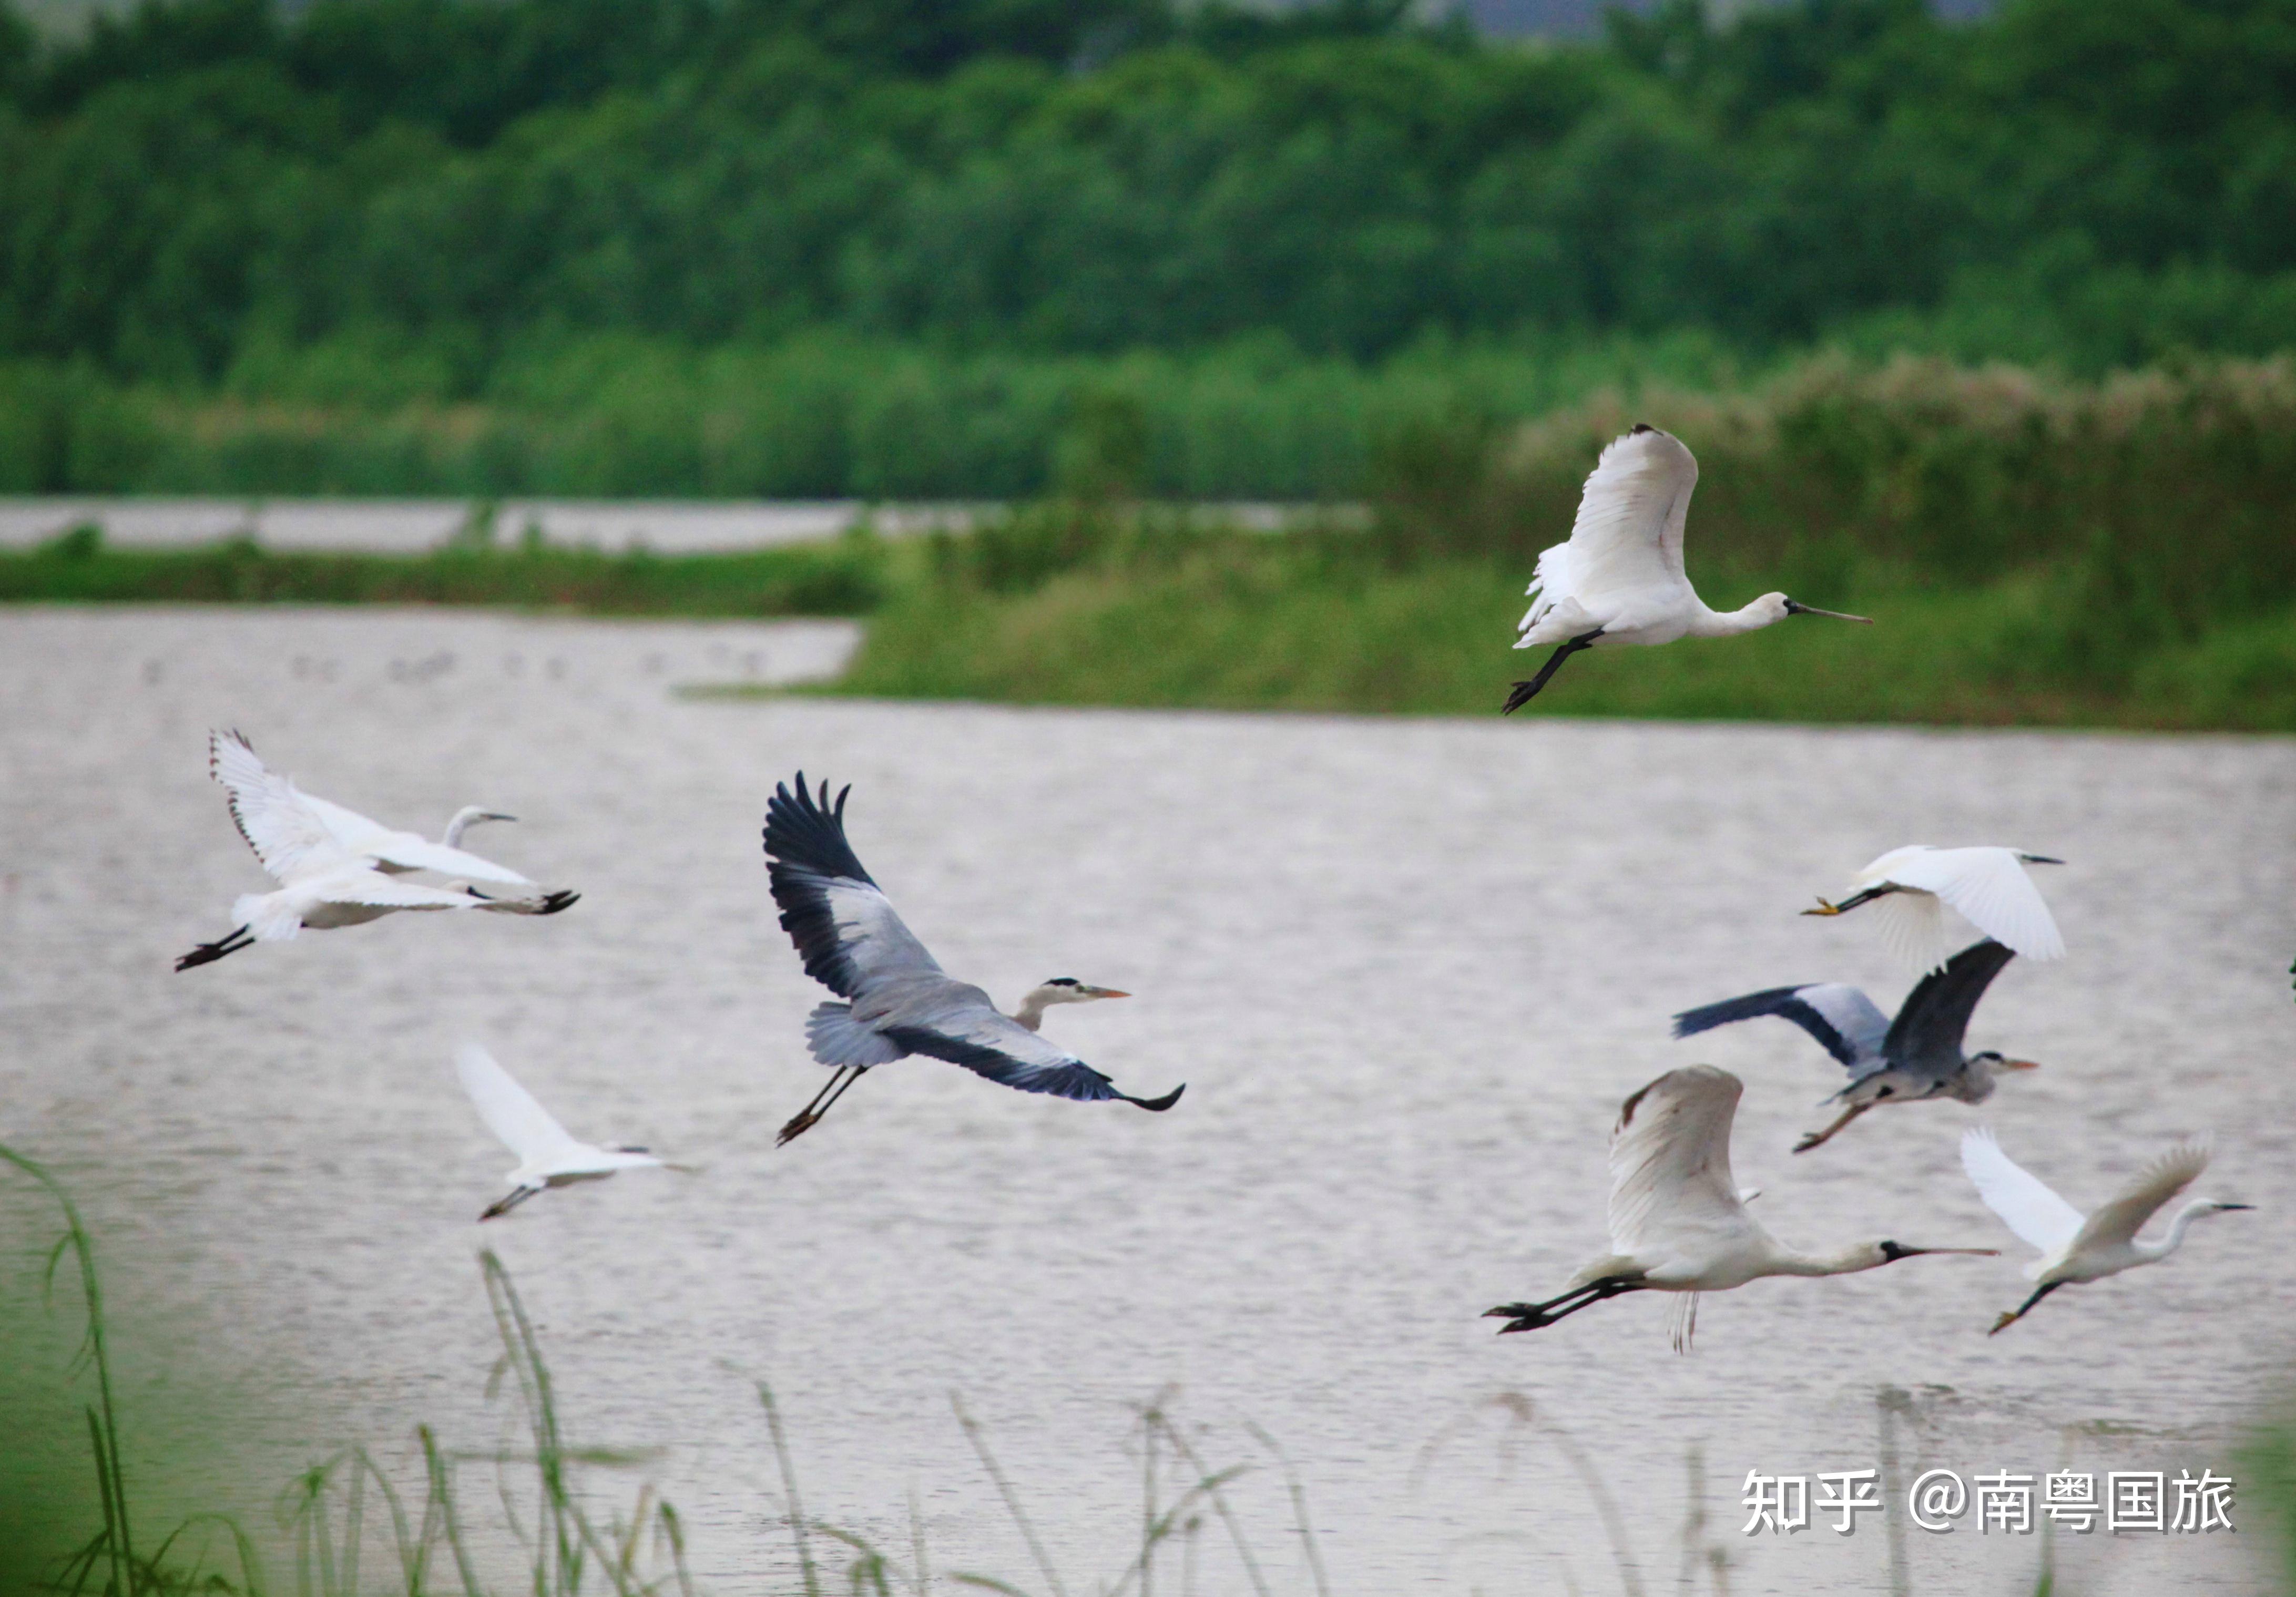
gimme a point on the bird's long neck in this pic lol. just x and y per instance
(1031, 1012)
(2178, 1227)
(1848, 1262)
(1729, 623)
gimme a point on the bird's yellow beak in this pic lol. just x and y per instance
(1824, 908)
(2020, 1064)
(1109, 992)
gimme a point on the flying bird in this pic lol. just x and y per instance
(548, 1155)
(1620, 579)
(1677, 1221)
(2074, 1248)
(1916, 1057)
(1059, 989)
(334, 866)
(1991, 888)
(898, 1001)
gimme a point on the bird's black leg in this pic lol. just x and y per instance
(503, 1206)
(207, 954)
(830, 1091)
(1525, 692)
(2024, 1308)
(1531, 1316)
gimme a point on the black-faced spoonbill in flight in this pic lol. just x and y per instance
(1620, 579)
(1678, 1221)
(899, 1001)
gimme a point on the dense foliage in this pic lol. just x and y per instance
(375, 201)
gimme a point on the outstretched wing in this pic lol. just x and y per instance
(287, 835)
(844, 929)
(374, 840)
(523, 1126)
(2026, 1205)
(365, 885)
(1991, 888)
(2124, 1215)
(1935, 1016)
(975, 1036)
(1628, 533)
(1670, 1161)
(1628, 530)
(1842, 1020)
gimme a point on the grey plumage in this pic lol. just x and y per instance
(1917, 1055)
(897, 999)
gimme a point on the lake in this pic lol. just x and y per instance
(1407, 968)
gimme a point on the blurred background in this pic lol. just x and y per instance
(1976, 316)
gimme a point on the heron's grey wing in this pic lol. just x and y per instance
(2119, 1219)
(287, 835)
(1842, 1020)
(835, 1037)
(971, 1032)
(1670, 1161)
(843, 926)
(1926, 1036)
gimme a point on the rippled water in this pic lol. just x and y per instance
(1408, 969)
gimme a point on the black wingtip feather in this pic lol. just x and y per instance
(1157, 1105)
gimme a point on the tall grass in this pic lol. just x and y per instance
(2121, 553)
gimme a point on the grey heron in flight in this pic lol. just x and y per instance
(1915, 1057)
(1677, 1221)
(335, 867)
(1913, 885)
(897, 999)
(1619, 579)
(2074, 1248)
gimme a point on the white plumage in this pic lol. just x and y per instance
(1677, 1220)
(2073, 1248)
(548, 1154)
(1912, 887)
(1619, 579)
(334, 866)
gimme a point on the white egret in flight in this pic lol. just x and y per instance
(334, 866)
(1677, 1221)
(2074, 1248)
(1916, 1057)
(899, 1001)
(548, 1155)
(1911, 888)
(1621, 578)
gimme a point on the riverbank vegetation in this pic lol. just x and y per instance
(777, 247)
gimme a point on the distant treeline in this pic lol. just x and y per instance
(374, 203)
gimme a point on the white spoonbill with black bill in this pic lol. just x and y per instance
(548, 1154)
(335, 867)
(1911, 888)
(2075, 1247)
(898, 1000)
(1677, 1221)
(1917, 1057)
(1620, 579)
